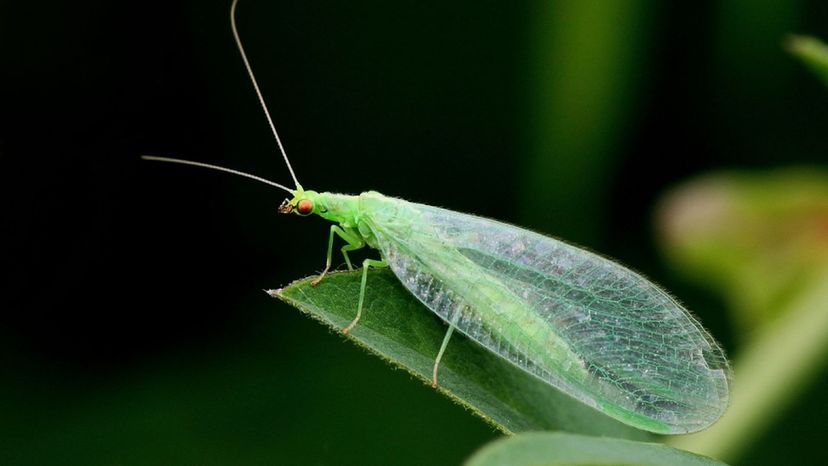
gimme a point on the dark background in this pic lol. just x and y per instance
(134, 329)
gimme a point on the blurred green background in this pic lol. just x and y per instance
(134, 327)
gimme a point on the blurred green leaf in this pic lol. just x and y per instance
(760, 239)
(813, 52)
(396, 327)
(559, 449)
(757, 238)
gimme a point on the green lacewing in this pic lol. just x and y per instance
(584, 324)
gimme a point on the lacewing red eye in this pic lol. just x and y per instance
(304, 207)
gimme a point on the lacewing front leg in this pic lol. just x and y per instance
(365, 264)
(354, 242)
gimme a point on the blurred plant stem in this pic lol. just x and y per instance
(777, 363)
(761, 240)
(813, 52)
(584, 59)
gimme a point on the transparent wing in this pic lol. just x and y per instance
(586, 325)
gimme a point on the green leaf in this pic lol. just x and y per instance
(813, 52)
(398, 328)
(559, 449)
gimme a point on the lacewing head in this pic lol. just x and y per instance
(303, 203)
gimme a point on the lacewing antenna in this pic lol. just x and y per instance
(258, 92)
(216, 167)
(266, 112)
